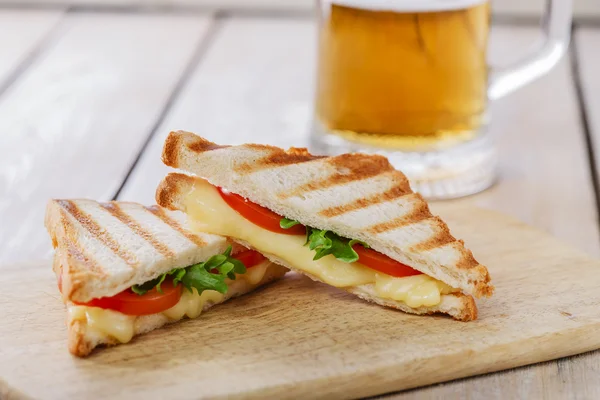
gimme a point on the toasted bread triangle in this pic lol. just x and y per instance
(356, 195)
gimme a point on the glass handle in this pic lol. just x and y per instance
(556, 26)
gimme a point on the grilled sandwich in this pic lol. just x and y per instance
(350, 221)
(124, 269)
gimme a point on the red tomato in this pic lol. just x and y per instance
(250, 258)
(130, 303)
(259, 215)
(154, 302)
(382, 263)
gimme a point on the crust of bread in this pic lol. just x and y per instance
(356, 195)
(82, 341)
(102, 249)
(459, 306)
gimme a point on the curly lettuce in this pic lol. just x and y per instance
(325, 242)
(208, 275)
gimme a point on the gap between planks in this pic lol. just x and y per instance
(201, 49)
(574, 54)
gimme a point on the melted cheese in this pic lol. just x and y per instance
(102, 322)
(192, 304)
(255, 274)
(415, 291)
(211, 214)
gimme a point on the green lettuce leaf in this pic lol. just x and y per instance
(325, 242)
(208, 275)
(286, 223)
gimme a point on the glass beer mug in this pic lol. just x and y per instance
(409, 79)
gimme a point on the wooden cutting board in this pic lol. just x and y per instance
(297, 338)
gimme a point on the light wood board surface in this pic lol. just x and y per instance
(298, 338)
(73, 123)
(27, 32)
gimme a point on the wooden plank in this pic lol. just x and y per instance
(74, 122)
(254, 84)
(234, 96)
(27, 29)
(584, 9)
(301, 339)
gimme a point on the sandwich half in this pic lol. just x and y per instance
(350, 221)
(124, 269)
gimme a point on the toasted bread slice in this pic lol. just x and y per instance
(356, 195)
(105, 248)
(102, 249)
(172, 194)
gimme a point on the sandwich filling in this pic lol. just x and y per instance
(321, 254)
(182, 292)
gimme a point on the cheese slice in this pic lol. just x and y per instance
(102, 322)
(210, 213)
(415, 291)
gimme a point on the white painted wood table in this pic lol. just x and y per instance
(87, 97)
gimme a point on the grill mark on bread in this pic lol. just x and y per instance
(118, 213)
(419, 213)
(441, 238)
(400, 189)
(97, 231)
(201, 145)
(79, 254)
(467, 261)
(349, 168)
(160, 213)
(276, 158)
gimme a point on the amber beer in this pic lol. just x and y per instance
(401, 77)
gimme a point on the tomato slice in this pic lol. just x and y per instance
(259, 215)
(127, 302)
(130, 303)
(382, 263)
(250, 258)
